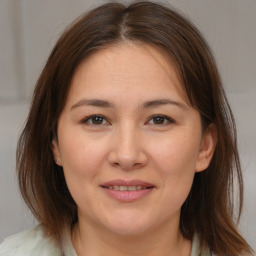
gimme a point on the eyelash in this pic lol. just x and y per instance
(169, 120)
(88, 118)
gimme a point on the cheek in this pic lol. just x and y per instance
(176, 160)
(80, 149)
(177, 154)
(82, 163)
(81, 160)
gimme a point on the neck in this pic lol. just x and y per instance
(89, 240)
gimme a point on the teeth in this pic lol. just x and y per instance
(123, 188)
(126, 188)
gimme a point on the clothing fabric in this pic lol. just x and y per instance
(33, 242)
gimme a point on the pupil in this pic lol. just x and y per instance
(158, 120)
(97, 120)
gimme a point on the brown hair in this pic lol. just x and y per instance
(208, 210)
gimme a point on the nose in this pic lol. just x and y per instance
(127, 151)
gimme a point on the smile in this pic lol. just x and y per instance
(127, 191)
(127, 188)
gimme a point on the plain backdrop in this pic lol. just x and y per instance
(28, 31)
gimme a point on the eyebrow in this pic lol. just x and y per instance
(159, 102)
(92, 102)
(147, 104)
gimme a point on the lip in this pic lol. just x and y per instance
(127, 196)
(120, 182)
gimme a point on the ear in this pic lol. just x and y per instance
(207, 147)
(56, 152)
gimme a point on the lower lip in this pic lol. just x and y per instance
(127, 196)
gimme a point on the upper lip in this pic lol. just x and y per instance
(120, 182)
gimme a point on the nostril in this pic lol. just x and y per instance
(127, 160)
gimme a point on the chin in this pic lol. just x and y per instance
(129, 230)
(129, 225)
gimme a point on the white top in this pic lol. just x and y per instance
(33, 242)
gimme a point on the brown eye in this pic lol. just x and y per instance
(95, 120)
(160, 120)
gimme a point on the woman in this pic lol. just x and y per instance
(130, 144)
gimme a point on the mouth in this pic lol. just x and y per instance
(127, 191)
(127, 188)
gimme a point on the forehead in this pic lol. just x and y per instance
(129, 66)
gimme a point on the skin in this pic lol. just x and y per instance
(130, 143)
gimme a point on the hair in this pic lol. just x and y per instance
(209, 208)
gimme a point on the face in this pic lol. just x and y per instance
(129, 142)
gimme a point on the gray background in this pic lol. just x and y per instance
(28, 31)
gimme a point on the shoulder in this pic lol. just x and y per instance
(198, 249)
(29, 242)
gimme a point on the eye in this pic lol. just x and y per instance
(160, 120)
(95, 120)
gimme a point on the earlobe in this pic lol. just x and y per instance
(56, 152)
(208, 145)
